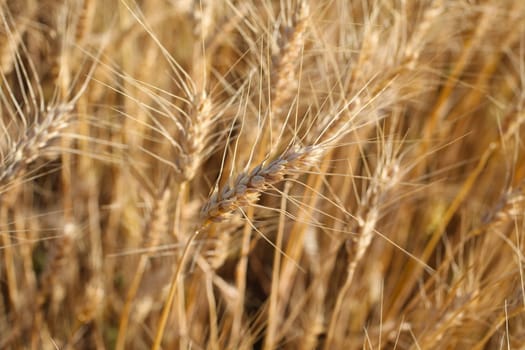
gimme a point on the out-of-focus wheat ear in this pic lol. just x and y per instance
(199, 121)
(420, 36)
(85, 20)
(35, 143)
(247, 187)
(155, 229)
(386, 176)
(284, 77)
(15, 23)
(203, 19)
(93, 301)
(195, 141)
(219, 245)
(25, 222)
(195, 138)
(509, 209)
(59, 255)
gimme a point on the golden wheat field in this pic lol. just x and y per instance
(273, 174)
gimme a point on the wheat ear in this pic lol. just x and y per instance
(386, 177)
(85, 19)
(284, 76)
(35, 142)
(247, 187)
(195, 137)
